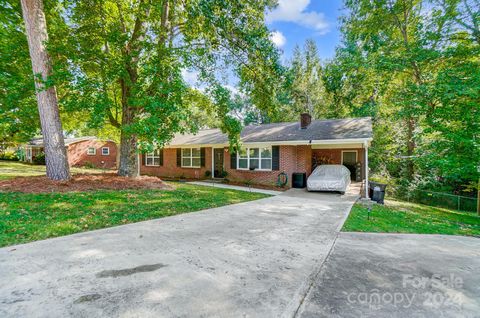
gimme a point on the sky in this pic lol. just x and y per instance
(295, 21)
(291, 23)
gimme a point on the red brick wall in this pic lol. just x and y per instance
(170, 169)
(77, 154)
(304, 159)
(292, 159)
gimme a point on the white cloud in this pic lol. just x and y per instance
(278, 38)
(296, 11)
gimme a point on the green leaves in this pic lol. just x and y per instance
(129, 58)
(416, 73)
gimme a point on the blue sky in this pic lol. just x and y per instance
(294, 21)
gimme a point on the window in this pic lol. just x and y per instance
(153, 158)
(349, 157)
(91, 151)
(255, 159)
(191, 157)
(105, 151)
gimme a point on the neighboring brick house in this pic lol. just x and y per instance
(268, 150)
(82, 151)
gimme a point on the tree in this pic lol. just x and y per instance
(308, 89)
(124, 62)
(18, 111)
(418, 68)
(37, 36)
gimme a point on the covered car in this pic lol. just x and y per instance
(329, 178)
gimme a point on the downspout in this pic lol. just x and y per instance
(213, 162)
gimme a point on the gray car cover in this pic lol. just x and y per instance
(329, 178)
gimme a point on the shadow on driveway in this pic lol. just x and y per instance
(398, 275)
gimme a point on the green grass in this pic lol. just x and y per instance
(11, 169)
(404, 217)
(26, 217)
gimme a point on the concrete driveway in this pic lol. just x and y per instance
(398, 275)
(255, 259)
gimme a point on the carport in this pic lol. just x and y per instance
(352, 153)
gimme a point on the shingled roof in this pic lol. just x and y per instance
(318, 130)
(38, 142)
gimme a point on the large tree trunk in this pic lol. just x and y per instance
(128, 156)
(54, 145)
(128, 142)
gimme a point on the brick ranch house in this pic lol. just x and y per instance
(269, 149)
(82, 151)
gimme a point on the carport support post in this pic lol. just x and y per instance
(366, 169)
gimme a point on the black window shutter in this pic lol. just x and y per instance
(202, 157)
(233, 160)
(275, 157)
(161, 157)
(144, 158)
(179, 157)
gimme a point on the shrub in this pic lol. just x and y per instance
(208, 173)
(223, 174)
(89, 165)
(9, 155)
(39, 159)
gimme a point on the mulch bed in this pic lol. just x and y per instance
(81, 182)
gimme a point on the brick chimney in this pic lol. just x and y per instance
(305, 120)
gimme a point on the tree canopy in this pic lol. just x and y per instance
(414, 67)
(119, 66)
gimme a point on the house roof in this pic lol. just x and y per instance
(318, 130)
(38, 142)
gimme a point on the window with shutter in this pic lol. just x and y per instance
(255, 159)
(191, 157)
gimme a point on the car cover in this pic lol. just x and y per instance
(329, 178)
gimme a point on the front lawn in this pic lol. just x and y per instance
(12, 169)
(26, 217)
(404, 217)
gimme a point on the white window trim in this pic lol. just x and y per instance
(151, 155)
(356, 155)
(259, 159)
(192, 157)
(108, 151)
(94, 151)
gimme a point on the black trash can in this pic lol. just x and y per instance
(376, 191)
(299, 180)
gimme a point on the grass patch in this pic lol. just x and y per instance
(404, 217)
(12, 169)
(26, 217)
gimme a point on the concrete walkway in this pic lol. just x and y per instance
(254, 259)
(234, 187)
(398, 275)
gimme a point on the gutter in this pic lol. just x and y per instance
(280, 143)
